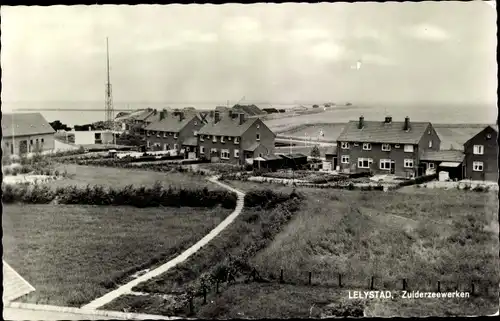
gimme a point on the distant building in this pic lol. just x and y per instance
(386, 146)
(481, 155)
(233, 138)
(99, 137)
(24, 133)
(249, 110)
(175, 131)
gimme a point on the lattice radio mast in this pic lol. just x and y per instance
(109, 95)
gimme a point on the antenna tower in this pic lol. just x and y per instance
(109, 95)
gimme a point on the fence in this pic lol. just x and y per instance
(475, 288)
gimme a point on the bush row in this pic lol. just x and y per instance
(268, 198)
(129, 195)
(418, 180)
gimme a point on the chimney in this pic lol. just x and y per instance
(361, 123)
(216, 117)
(90, 128)
(163, 114)
(181, 116)
(407, 123)
(388, 119)
(242, 118)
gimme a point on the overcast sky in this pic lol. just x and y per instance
(433, 52)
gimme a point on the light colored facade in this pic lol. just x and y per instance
(104, 137)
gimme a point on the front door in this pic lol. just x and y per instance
(393, 167)
(23, 147)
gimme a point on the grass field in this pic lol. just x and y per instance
(73, 254)
(449, 236)
(81, 175)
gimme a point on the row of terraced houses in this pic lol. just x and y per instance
(227, 137)
(411, 149)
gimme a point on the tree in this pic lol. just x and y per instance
(315, 106)
(57, 125)
(315, 151)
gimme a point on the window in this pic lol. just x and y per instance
(175, 135)
(176, 146)
(165, 134)
(477, 166)
(344, 145)
(430, 165)
(364, 162)
(386, 147)
(148, 143)
(31, 141)
(148, 132)
(236, 140)
(195, 123)
(214, 139)
(408, 148)
(236, 153)
(408, 163)
(229, 138)
(213, 151)
(202, 149)
(430, 144)
(344, 159)
(202, 138)
(222, 139)
(396, 146)
(367, 146)
(258, 136)
(260, 154)
(158, 134)
(385, 164)
(258, 126)
(478, 149)
(42, 141)
(224, 154)
(188, 149)
(356, 144)
(429, 131)
(195, 133)
(165, 146)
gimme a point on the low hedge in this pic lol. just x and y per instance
(129, 195)
(268, 198)
(419, 180)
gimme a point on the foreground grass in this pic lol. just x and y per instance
(73, 254)
(449, 236)
(81, 175)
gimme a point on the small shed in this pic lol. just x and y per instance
(272, 162)
(295, 161)
(331, 156)
(450, 161)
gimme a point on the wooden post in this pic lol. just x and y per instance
(281, 276)
(404, 284)
(439, 286)
(472, 288)
(340, 280)
(204, 294)
(310, 277)
(371, 285)
(191, 305)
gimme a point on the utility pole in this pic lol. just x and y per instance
(109, 121)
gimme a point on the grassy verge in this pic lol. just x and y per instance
(73, 254)
(118, 177)
(227, 253)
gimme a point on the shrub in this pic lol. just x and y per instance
(138, 197)
(266, 198)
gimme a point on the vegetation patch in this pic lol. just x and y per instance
(74, 254)
(154, 196)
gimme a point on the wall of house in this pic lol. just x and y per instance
(398, 155)
(88, 137)
(12, 145)
(230, 145)
(489, 158)
(429, 135)
(267, 138)
(167, 138)
(249, 138)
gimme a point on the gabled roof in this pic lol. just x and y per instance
(227, 127)
(443, 156)
(487, 128)
(293, 156)
(22, 124)
(250, 110)
(171, 123)
(252, 147)
(144, 115)
(381, 132)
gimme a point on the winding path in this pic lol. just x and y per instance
(127, 288)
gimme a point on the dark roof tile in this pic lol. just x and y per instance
(380, 132)
(443, 156)
(21, 124)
